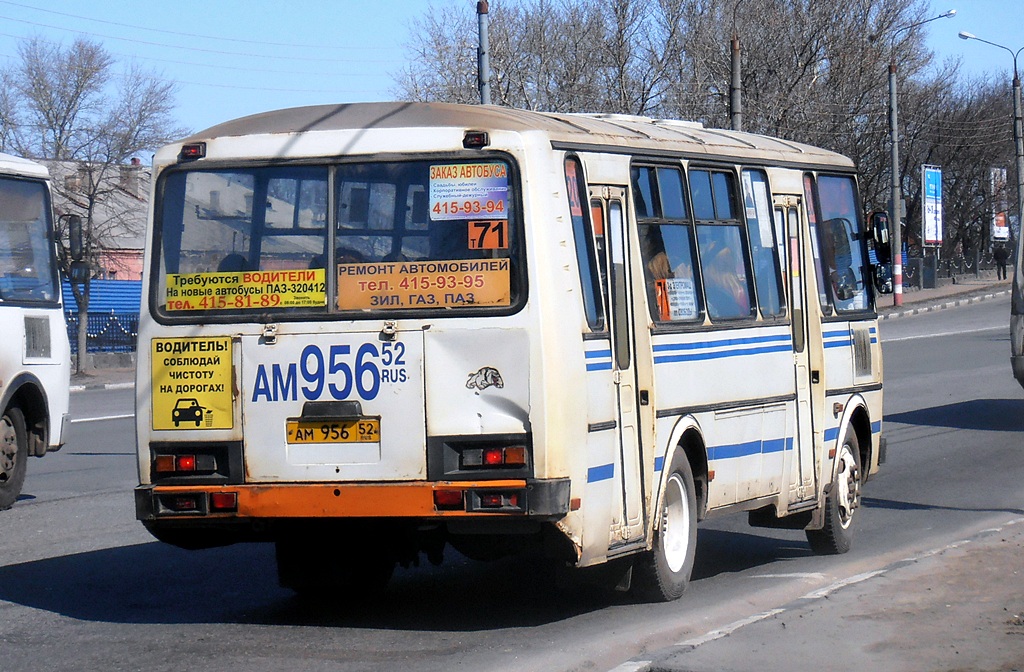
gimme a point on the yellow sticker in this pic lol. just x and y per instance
(424, 284)
(192, 383)
(247, 290)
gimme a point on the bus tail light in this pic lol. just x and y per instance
(447, 500)
(497, 456)
(190, 503)
(496, 501)
(193, 151)
(223, 502)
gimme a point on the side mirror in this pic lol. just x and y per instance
(75, 242)
(879, 221)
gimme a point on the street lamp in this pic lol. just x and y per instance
(896, 196)
(1017, 306)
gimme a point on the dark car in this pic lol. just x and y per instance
(187, 409)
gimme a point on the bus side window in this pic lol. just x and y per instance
(584, 239)
(666, 243)
(764, 247)
(722, 244)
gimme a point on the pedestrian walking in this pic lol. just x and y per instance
(1001, 254)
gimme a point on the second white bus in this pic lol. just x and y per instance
(35, 358)
(372, 331)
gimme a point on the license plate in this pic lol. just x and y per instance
(363, 430)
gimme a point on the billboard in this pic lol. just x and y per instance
(931, 181)
(1000, 221)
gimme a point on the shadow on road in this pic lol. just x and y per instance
(1000, 415)
(894, 505)
(157, 584)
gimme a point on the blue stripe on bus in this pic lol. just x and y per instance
(876, 427)
(838, 344)
(832, 434)
(749, 448)
(697, 356)
(665, 347)
(605, 472)
(604, 355)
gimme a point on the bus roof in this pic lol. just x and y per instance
(15, 165)
(596, 132)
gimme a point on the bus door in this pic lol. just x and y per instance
(801, 472)
(619, 299)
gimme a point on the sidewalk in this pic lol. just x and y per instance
(960, 607)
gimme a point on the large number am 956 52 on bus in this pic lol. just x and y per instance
(35, 358)
(372, 331)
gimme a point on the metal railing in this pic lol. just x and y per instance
(106, 332)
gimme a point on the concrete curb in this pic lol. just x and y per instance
(102, 386)
(906, 312)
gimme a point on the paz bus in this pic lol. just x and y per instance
(375, 331)
(35, 357)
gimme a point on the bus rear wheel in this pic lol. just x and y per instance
(841, 503)
(663, 573)
(13, 455)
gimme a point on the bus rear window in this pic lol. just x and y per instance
(393, 236)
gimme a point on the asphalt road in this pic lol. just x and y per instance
(83, 587)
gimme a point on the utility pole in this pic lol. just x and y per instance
(896, 194)
(483, 55)
(735, 90)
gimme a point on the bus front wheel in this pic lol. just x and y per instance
(664, 572)
(13, 455)
(841, 502)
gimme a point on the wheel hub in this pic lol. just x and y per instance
(8, 449)
(848, 482)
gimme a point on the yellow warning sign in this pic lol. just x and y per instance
(192, 383)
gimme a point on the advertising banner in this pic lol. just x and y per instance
(931, 180)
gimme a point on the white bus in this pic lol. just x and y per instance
(372, 331)
(35, 358)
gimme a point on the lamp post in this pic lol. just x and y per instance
(896, 195)
(1017, 305)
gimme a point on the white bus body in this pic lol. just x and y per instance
(578, 333)
(35, 358)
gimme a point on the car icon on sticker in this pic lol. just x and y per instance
(187, 409)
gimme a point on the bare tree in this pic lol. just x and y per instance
(66, 104)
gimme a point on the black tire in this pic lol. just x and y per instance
(841, 503)
(663, 573)
(13, 455)
(322, 570)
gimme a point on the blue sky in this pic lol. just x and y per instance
(239, 57)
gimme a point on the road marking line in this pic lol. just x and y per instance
(105, 417)
(943, 333)
(815, 576)
(633, 666)
(728, 629)
(828, 590)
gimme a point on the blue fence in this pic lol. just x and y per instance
(113, 324)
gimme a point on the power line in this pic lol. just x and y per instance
(181, 34)
(195, 49)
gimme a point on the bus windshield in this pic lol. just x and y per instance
(352, 238)
(26, 248)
